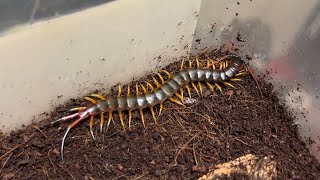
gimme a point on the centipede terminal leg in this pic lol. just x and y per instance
(91, 130)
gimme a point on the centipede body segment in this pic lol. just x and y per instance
(230, 67)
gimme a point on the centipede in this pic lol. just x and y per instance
(148, 95)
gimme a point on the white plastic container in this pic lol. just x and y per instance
(48, 62)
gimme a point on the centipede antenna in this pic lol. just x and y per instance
(91, 131)
(180, 97)
(156, 82)
(77, 109)
(181, 64)
(101, 122)
(153, 115)
(142, 118)
(228, 84)
(161, 107)
(189, 91)
(176, 101)
(217, 85)
(119, 91)
(200, 88)
(90, 99)
(65, 118)
(161, 78)
(167, 73)
(98, 96)
(130, 119)
(210, 87)
(63, 139)
(195, 88)
(121, 119)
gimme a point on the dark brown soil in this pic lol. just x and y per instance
(212, 130)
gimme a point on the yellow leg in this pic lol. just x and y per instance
(128, 90)
(167, 73)
(235, 79)
(228, 84)
(98, 96)
(181, 92)
(91, 131)
(221, 65)
(121, 119)
(119, 91)
(190, 64)
(137, 89)
(130, 118)
(161, 78)
(101, 121)
(78, 109)
(189, 91)
(210, 87)
(153, 115)
(208, 64)
(195, 88)
(149, 85)
(180, 97)
(176, 101)
(91, 100)
(143, 88)
(217, 85)
(109, 120)
(239, 74)
(142, 118)
(200, 88)
(161, 107)
(197, 62)
(156, 82)
(181, 65)
(213, 66)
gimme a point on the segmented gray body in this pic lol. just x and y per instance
(170, 87)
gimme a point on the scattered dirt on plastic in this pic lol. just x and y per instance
(210, 130)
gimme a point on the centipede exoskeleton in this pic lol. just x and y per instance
(222, 71)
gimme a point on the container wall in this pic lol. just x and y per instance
(46, 63)
(283, 38)
(16, 13)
